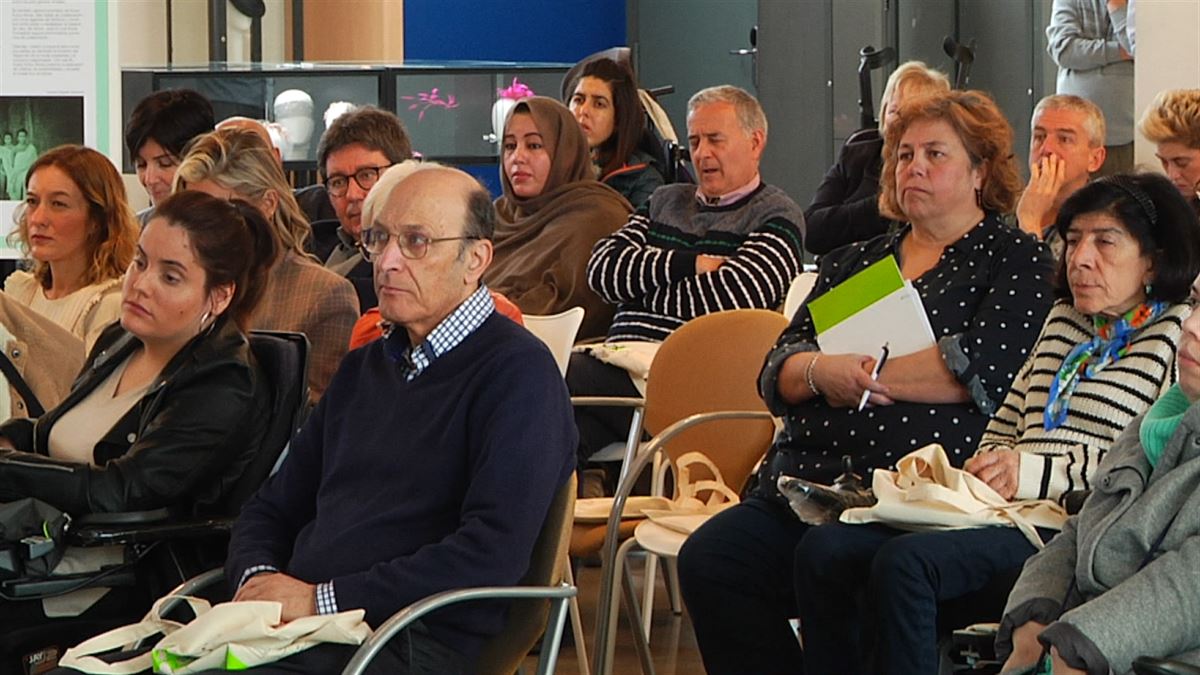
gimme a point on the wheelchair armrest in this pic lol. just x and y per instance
(145, 532)
(1146, 665)
(975, 644)
(124, 517)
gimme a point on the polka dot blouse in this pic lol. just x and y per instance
(986, 297)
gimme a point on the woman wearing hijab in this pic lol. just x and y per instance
(553, 211)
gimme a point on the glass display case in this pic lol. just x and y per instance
(445, 105)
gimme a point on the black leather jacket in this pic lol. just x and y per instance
(182, 446)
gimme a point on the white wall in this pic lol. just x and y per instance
(1168, 56)
(143, 29)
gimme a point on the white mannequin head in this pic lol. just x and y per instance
(336, 110)
(293, 111)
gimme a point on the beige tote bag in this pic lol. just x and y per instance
(687, 512)
(228, 636)
(927, 493)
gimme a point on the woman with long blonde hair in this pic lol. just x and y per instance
(301, 295)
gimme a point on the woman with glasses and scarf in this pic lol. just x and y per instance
(1119, 583)
(1106, 352)
(551, 215)
(301, 295)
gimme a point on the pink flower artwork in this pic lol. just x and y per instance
(516, 90)
(431, 99)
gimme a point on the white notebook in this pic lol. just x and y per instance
(873, 307)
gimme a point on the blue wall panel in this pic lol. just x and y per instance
(505, 30)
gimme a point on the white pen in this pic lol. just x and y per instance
(883, 354)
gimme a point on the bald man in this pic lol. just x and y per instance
(431, 461)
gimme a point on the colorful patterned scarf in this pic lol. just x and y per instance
(1110, 343)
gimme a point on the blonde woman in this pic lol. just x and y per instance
(77, 227)
(301, 295)
(1172, 123)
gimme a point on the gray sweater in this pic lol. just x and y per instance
(1116, 611)
(1083, 42)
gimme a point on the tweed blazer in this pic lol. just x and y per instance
(304, 297)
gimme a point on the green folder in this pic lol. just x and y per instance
(855, 294)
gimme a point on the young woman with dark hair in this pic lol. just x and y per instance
(604, 99)
(160, 127)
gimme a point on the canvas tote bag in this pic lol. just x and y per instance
(687, 512)
(227, 636)
(926, 493)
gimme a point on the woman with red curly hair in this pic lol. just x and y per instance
(78, 228)
(948, 174)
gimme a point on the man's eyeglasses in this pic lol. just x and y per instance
(413, 245)
(337, 184)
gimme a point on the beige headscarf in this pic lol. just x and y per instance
(542, 243)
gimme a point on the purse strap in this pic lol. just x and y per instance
(32, 405)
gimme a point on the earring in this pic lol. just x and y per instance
(979, 198)
(1149, 288)
(204, 318)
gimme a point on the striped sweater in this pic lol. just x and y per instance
(1066, 458)
(648, 267)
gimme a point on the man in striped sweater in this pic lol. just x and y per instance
(731, 242)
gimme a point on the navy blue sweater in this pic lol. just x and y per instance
(397, 490)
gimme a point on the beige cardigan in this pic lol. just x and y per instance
(46, 355)
(84, 313)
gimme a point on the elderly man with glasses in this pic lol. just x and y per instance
(431, 463)
(356, 148)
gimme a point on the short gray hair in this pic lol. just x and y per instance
(1093, 118)
(750, 114)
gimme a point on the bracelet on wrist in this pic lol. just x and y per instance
(808, 375)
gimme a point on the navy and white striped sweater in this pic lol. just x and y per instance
(648, 267)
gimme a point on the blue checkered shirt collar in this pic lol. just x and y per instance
(447, 335)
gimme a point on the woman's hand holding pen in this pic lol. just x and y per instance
(842, 379)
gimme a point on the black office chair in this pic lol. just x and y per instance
(162, 549)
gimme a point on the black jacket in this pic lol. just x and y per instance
(845, 208)
(183, 445)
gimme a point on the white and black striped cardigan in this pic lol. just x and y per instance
(1066, 458)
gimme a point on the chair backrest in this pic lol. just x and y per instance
(283, 358)
(527, 618)
(801, 286)
(558, 331)
(710, 364)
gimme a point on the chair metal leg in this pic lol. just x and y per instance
(648, 589)
(577, 624)
(639, 640)
(552, 640)
(607, 614)
(657, 488)
(671, 576)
